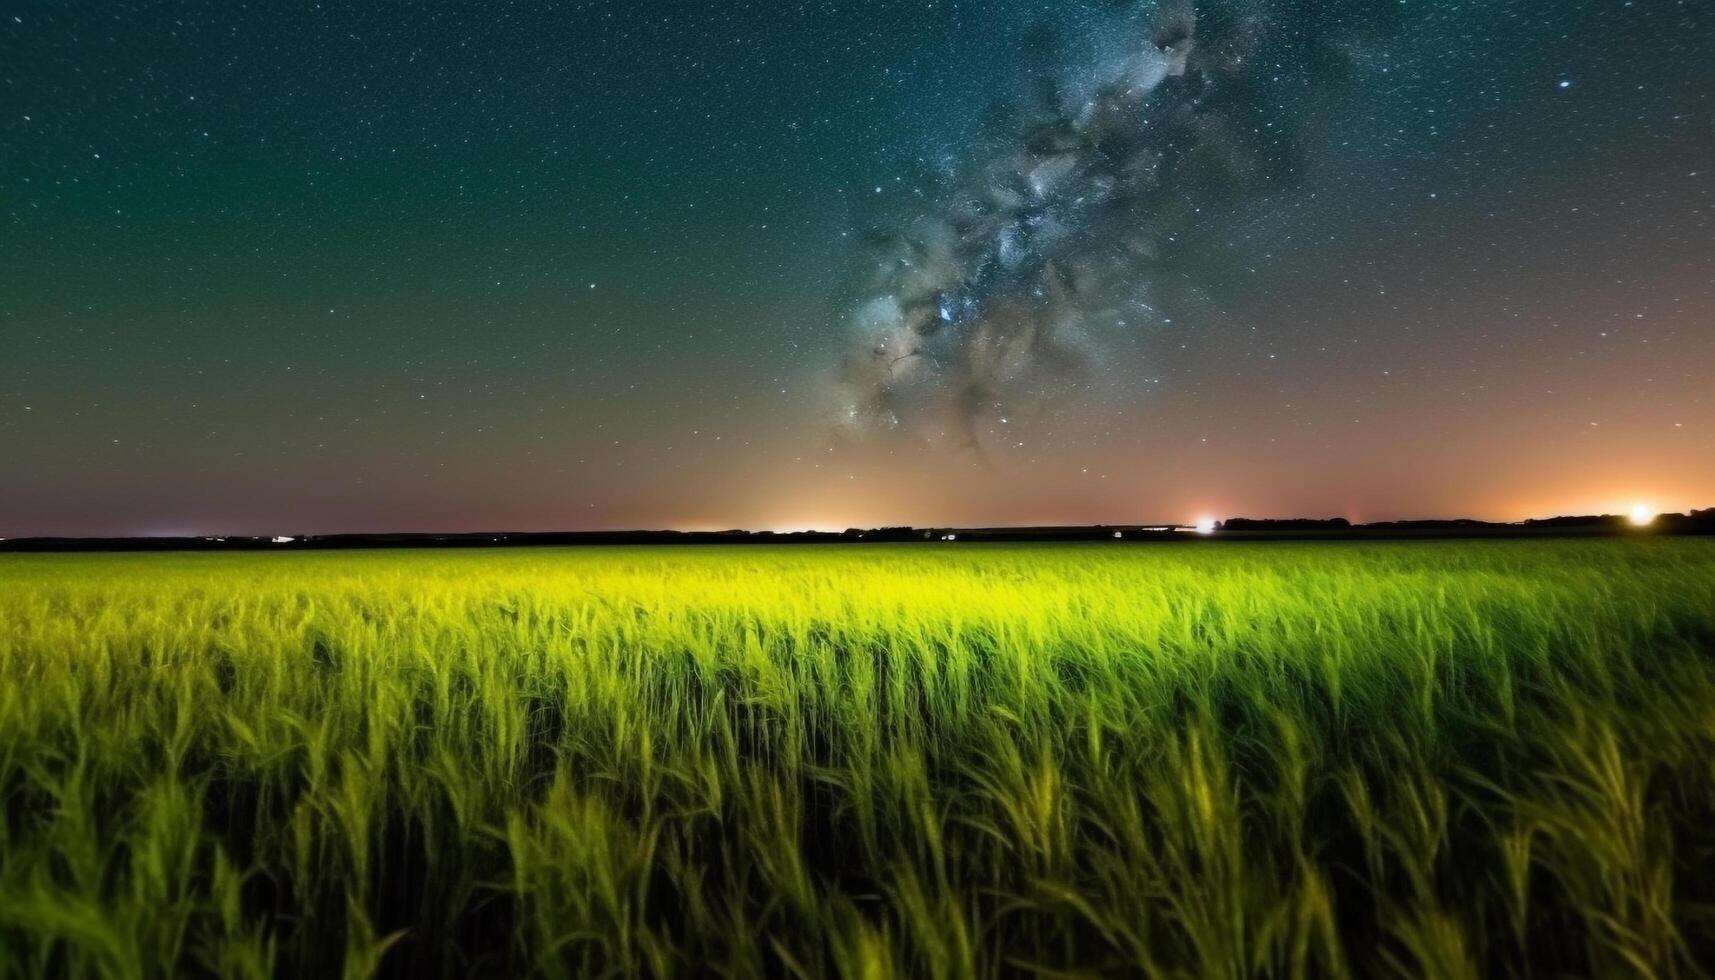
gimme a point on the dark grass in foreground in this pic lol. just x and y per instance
(1443, 759)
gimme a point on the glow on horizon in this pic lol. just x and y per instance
(1641, 515)
(1204, 525)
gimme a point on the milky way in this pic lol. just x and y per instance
(1062, 233)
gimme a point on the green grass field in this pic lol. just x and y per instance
(1426, 759)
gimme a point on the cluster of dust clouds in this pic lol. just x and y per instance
(1086, 215)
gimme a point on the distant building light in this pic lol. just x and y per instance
(1118, 534)
(283, 539)
(949, 537)
(1642, 515)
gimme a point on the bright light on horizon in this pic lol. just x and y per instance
(1205, 525)
(1642, 515)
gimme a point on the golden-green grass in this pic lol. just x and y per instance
(1285, 760)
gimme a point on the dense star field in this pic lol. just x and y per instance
(296, 268)
(1434, 759)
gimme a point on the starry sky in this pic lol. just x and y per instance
(308, 267)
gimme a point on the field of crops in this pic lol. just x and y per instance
(1427, 759)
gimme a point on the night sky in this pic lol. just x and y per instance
(297, 267)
